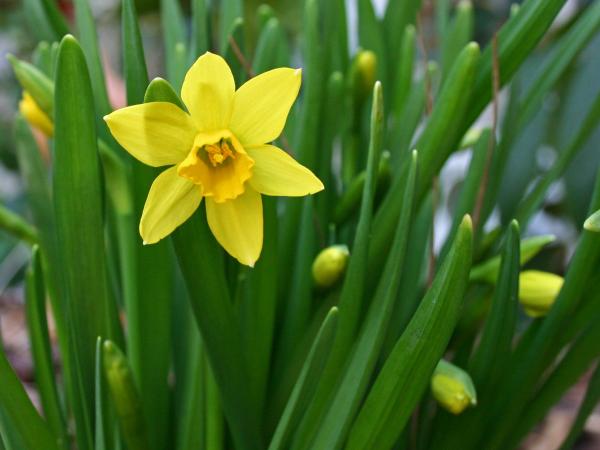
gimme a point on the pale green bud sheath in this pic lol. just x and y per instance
(330, 265)
(452, 388)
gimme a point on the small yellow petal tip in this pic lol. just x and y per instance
(298, 72)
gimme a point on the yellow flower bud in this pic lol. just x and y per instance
(366, 63)
(538, 291)
(34, 115)
(452, 387)
(330, 265)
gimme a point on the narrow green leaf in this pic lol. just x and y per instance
(404, 74)
(215, 426)
(355, 379)
(18, 414)
(353, 289)
(398, 15)
(235, 51)
(200, 41)
(125, 397)
(307, 381)
(561, 59)
(17, 226)
(230, 11)
(371, 37)
(101, 432)
(149, 308)
(174, 33)
(437, 141)
(571, 368)
(529, 247)
(271, 49)
(37, 325)
(86, 26)
(258, 306)
(535, 197)
(495, 345)
(45, 19)
(405, 375)
(457, 36)
(79, 217)
(201, 262)
(161, 90)
(516, 39)
(542, 348)
(591, 399)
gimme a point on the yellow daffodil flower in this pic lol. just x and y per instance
(538, 291)
(219, 152)
(34, 115)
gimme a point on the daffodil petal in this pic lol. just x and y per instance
(157, 133)
(277, 173)
(207, 92)
(261, 106)
(238, 225)
(171, 201)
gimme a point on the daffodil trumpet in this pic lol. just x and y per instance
(218, 151)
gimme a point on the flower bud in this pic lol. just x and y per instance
(452, 387)
(330, 265)
(363, 74)
(39, 86)
(538, 291)
(34, 115)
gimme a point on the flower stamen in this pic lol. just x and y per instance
(219, 152)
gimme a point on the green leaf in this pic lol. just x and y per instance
(435, 144)
(17, 226)
(495, 345)
(45, 19)
(230, 12)
(405, 375)
(201, 262)
(125, 397)
(535, 197)
(488, 271)
(404, 75)
(591, 399)
(307, 381)
(353, 289)
(174, 34)
(79, 218)
(200, 41)
(149, 307)
(457, 36)
(86, 26)
(37, 325)
(271, 49)
(357, 375)
(18, 416)
(371, 37)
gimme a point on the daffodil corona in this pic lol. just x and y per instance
(218, 151)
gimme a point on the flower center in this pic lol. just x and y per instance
(219, 152)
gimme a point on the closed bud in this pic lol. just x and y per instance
(35, 83)
(363, 74)
(330, 265)
(452, 387)
(538, 291)
(37, 118)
